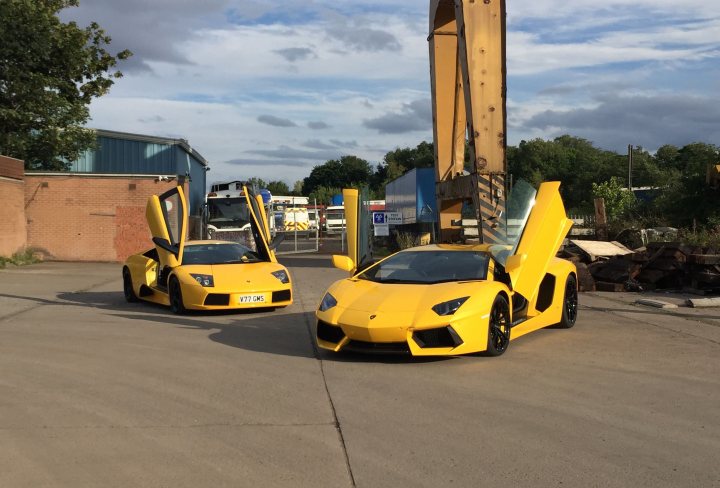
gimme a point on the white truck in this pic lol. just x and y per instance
(226, 216)
(335, 219)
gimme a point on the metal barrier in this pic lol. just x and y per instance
(299, 241)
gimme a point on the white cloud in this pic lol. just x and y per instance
(213, 69)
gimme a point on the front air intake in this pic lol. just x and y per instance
(217, 299)
(281, 296)
(329, 333)
(440, 337)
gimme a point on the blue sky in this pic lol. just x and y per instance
(270, 89)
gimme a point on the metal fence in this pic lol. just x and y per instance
(299, 241)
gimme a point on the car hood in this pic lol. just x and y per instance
(226, 276)
(369, 296)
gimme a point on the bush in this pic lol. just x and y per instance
(20, 258)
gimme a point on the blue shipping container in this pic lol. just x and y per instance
(413, 195)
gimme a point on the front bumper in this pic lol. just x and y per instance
(197, 298)
(438, 338)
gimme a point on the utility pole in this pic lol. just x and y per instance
(630, 165)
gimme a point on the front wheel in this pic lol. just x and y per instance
(176, 300)
(570, 303)
(128, 290)
(498, 327)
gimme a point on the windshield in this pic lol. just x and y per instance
(428, 267)
(219, 253)
(335, 215)
(228, 212)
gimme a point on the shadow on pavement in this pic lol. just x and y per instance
(283, 334)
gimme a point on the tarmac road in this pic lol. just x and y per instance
(98, 392)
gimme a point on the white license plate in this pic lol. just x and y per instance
(251, 298)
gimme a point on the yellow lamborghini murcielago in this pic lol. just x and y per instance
(206, 275)
(455, 299)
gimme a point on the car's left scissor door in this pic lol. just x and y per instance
(167, 217)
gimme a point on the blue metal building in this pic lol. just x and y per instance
(121, 153)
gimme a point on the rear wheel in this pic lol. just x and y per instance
(176, 300)
(128, 290)
(570, 303)
(499, 327)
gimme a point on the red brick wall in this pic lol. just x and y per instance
(88, 218)
(13, 233)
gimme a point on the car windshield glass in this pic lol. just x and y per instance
(428, 267)
(218, 253)
(229, 212)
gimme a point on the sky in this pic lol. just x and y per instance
(271, 89)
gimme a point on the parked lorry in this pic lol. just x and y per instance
(225, 213)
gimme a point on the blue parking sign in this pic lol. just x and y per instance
(378, 217)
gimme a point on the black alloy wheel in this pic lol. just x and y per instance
(130, 295)
(570, 303)
(499, 327)
(176, 300)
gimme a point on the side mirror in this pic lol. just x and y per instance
(514, 262)
(279, 237)
(165, 244)
(343, 262)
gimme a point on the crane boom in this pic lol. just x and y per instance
(467, 72)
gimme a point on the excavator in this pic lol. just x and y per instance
(468, 83)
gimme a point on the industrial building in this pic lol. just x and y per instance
(95, 211)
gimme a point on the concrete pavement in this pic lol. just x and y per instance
(97, 392)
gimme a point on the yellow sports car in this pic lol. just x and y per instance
(206, 275)
(455, 299)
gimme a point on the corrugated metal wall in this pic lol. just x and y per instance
(126, 156)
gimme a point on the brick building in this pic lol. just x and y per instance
(96, 211)
(13, 232)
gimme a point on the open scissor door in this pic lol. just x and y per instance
(167, 217)
(539, 241)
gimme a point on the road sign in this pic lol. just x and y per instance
(379, 218)
(393, 218)
(381, 230)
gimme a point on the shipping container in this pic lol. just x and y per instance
(413, 195)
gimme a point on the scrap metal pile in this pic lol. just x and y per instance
(609, 266)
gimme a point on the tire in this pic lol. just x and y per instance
(498, 327)
(570, 303)
(128, 290)
(175, 294)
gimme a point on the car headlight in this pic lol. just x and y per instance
(449, 307)
(282, 276)
(203, 279)
(328, 302)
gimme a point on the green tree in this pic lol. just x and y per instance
(297, 188)
(572, 160)
(687, 199)
(399, 161)
(256, 184)
(347, 172)
(323, 194)
(49, 73)
(278, 188)
(619, 201)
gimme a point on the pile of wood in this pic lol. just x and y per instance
(660, 265)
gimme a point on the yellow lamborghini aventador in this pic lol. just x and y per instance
(455, 299)
(206, 275)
